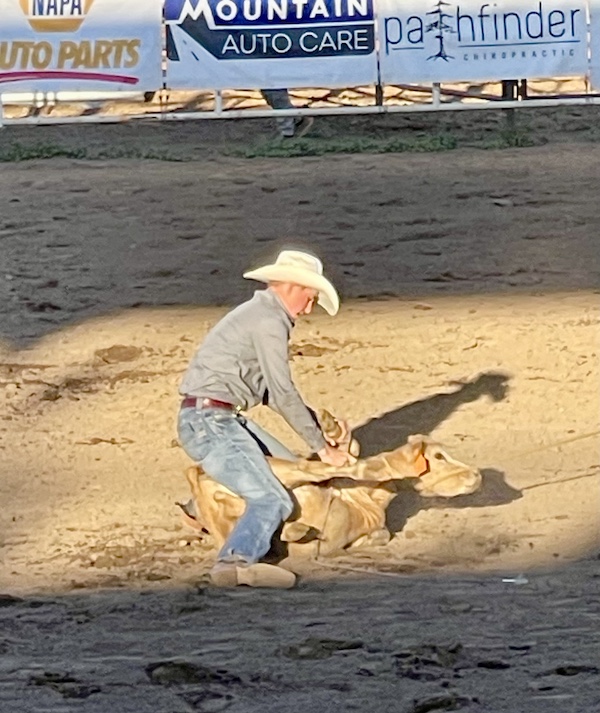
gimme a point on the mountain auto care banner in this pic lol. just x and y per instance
(270, 44)
(447, 41)
(54, 45)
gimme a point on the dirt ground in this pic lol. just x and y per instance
(469, 280)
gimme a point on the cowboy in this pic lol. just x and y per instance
(242, 362)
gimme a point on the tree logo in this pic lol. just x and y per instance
(440, 26)
(55, 15)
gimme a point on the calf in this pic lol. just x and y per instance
(336, 507)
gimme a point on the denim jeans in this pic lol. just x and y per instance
(223, 444)
(280, 99)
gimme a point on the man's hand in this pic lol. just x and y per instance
(334, 456)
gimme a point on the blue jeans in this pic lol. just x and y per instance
(280, 99)
(232, 450)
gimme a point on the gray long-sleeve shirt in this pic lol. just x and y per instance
(244, 360)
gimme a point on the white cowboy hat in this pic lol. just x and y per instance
(299, 268)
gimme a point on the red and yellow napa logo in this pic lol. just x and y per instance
(55, 15)
(98, 59)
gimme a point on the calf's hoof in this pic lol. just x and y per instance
(298, 532)
(189, 517)
(379, 538)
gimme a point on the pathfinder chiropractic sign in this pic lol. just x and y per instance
(270, 43)
(469, 40)
(54, 45)
(595, 45)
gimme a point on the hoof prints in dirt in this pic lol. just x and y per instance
(314, 648)
(63, 683)
(571, 670)
(7, 600)
(206, 689)
(174, 673)
(118, 353)
(429, 662)
(441, 703)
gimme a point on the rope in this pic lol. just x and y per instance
(394, 575)
(548, 446)
(318, 547)
(360, 570)
(560, 480)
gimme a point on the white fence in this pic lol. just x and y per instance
(396, 55)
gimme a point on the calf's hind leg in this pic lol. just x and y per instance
(337, 530)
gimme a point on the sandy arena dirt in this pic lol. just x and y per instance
(469, 282)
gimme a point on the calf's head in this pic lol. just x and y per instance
(437, 473)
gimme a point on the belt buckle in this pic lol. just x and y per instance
(207, 402)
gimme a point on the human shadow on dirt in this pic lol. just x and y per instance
(494, 490)
(391, 430)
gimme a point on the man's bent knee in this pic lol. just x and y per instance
(287, 507)
(276, 501)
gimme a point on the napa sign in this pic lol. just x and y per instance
(270, 43)
(445, 41)
(55, 15)
(53, 45)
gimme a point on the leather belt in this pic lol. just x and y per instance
(194, 402)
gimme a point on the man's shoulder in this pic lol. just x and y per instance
(265, 315)
(253, 312)
(266, 304)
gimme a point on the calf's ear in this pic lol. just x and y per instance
(417, 443)
(193, 474)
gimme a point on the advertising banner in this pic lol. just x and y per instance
(57, 45)
(471, 40)
(269, 44)
(595, 44)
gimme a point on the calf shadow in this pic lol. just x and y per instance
(391, 430)
(494, 490)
